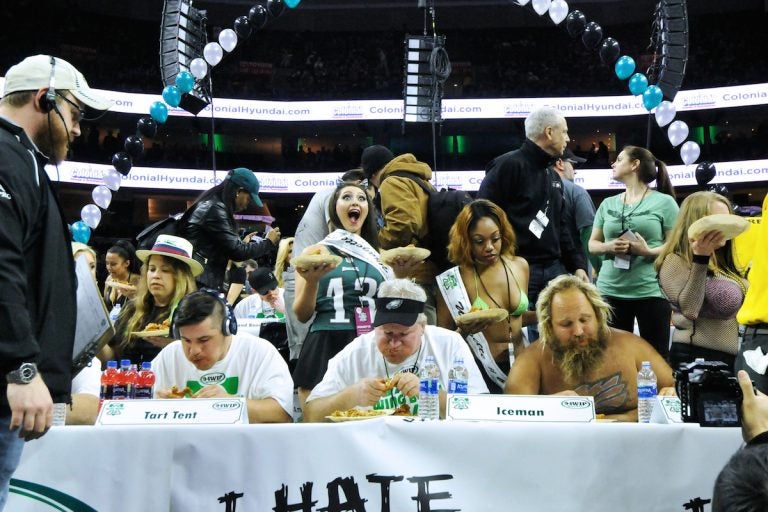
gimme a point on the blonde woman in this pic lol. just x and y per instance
(703, 285)
(283, 259)
(168, 274)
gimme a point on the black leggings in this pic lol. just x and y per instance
(653, 316)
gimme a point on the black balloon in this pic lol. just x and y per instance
(147, 127)
(721, 189)
(593, 34)
(134, 146)
(242, 27)
(257, 16)
(609, 51)
(122, 162)
(575, 23)
(705, 172)
(275, 8)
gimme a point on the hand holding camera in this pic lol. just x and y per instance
(754, 409)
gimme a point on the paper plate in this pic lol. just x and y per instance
(359, 414)
(162, 333)
(416, 253)
(729, 225)
(305, 261)
(495, 314)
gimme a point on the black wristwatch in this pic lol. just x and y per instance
(24, 375)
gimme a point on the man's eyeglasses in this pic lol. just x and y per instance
(81, 112)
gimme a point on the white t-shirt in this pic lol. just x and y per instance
(88, 381)
(362, 359)
(254, 307)
(252, 368)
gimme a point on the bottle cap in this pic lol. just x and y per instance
(111, 364)
(146, 365)
(646, 363)
(125, 362)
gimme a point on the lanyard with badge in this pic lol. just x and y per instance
(363, 320)
(540, 221)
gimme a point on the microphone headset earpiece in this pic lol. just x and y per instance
(48, 102)
(228, 321)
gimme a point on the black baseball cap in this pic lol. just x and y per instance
(262, 280)
(393, 310)
(570, 156)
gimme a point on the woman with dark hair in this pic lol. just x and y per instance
(341, 297)
(209, 224)
(630, 230)
(487, 275)
(123, 278)
(703, 284)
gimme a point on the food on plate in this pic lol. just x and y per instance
(176, 392)
(495, 314)
(403, 410)
(360, 413)
(411, 251)
(163, 326)
(727, 224)
(306, 261)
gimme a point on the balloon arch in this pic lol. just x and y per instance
(576, 24)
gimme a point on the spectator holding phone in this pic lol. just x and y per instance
(630, 230)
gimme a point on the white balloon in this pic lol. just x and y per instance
(228, 39)
(102, 196)
(112, 179)
(198, 68)
(690, 152)
(665, 113)
(677, 132)
(213, 53)
(541, 6)
(91, 215)
(558, 11)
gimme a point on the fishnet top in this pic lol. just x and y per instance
(704, 306)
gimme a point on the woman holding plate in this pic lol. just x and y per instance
(336, 281)
(168, 274)
(488, 277)
(702, 283)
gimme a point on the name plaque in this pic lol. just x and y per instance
(666, 409)
(549, 408)
(182, 411)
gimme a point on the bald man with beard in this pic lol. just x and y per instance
(578, 354)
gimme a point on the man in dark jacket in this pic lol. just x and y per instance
(40, 113)
(523, 185)
(210, 225)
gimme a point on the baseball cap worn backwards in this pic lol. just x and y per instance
(374, 158)
(34, 73)
(246, 179)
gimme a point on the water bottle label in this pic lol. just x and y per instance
(646, 392)
(457, 387)
(429, 386)
(143, 393)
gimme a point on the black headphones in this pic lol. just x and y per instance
(228, 321)
(48, 102)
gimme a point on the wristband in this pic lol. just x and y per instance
(701, 258)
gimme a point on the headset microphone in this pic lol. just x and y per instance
(48, 102)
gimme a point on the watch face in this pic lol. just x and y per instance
(27, 372)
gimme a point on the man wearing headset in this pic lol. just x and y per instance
(209, 359)
(40, 112)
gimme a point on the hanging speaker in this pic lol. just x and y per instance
(672, 16)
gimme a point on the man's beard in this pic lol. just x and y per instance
(53, 143)
(577, 362)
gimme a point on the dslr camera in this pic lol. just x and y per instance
(709, 394)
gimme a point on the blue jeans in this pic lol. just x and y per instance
(540, 274)
(10, 454)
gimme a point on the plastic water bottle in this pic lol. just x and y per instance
(115, 312)
(646, 392)
(131, 378)
(458, 377)
(145, 384)
(429, 399)
(108, 378)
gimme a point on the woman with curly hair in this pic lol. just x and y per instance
(488, 275)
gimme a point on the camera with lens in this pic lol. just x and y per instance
(709, 394)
